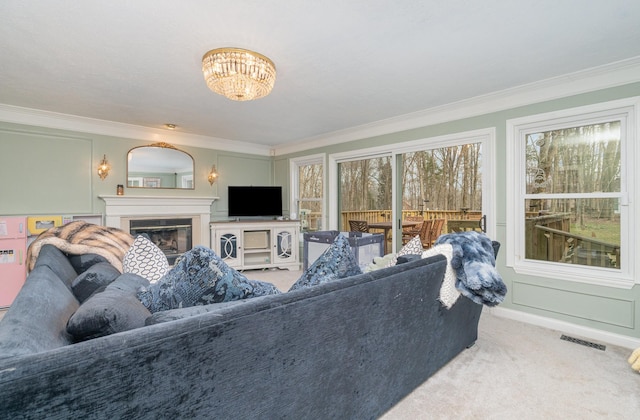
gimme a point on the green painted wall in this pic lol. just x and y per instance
(47, 171)
(604, 308)
(50, 172)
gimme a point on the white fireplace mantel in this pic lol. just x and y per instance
(120, 207)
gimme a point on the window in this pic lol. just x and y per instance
(307, 192)
(569, 187)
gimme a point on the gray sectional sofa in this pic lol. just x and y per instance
(350, 348)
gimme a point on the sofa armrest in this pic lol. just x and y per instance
(37, 319)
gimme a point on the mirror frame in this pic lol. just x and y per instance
(162, 145)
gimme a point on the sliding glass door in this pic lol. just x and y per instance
(365, 196)
(445, 178)
(444, 183)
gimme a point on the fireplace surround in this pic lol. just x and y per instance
(121, 210)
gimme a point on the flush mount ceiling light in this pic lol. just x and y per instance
(240, 75)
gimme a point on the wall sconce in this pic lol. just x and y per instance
(213, 175)
(104, 168)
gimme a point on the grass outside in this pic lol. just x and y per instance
(603, 230)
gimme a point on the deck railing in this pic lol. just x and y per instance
(548, 237)
(560, 246)
(374, 216)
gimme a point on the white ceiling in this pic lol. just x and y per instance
(340, 63)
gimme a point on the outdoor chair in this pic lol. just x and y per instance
(433, 231)
(358, 226)
(410, 232)
(425, 230)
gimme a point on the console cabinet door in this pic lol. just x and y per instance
(285, 245)
(228, 245)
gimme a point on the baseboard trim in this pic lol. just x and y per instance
(567, 327)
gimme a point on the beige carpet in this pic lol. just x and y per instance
(518, 371)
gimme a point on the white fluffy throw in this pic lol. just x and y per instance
(448, 292)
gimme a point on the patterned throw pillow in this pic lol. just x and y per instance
(200, 277)
(413, 247)
(145, 259)
(336, 262)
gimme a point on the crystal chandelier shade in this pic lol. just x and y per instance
(240, 75)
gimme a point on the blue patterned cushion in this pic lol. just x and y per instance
(336, 262)
(200, 277)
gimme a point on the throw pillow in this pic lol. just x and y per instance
(145, 259)
(112, 310)
(99, 275)
(82, 263)
(201, 277)
(413, 247)
(336, 262)
(379, 262)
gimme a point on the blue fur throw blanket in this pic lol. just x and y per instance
(474, 263)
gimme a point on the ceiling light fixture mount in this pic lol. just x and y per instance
(238, 74)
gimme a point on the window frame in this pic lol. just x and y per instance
(626, 111)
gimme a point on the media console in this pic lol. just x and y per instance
(257, 244)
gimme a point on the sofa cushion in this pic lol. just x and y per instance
(174, 314)
(200, 277)
(112, 310)
(336, 262)
(83, 262)
(37, 318)
(99, 275)
(57, 261)
(145, 259)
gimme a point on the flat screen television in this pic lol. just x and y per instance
(255, 201)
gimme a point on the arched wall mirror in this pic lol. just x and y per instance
(159, 165)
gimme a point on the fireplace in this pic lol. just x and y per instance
(120, 210)
(172, 235)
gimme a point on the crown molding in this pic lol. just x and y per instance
(596, 78)
(602, 77)
(48, 119)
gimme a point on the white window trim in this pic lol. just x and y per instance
(486, 136)
(627, 110)
(294, 165)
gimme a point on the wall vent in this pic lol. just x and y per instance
(583, 342)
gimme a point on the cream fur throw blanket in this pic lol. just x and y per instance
(79, 238)
(448, 292)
